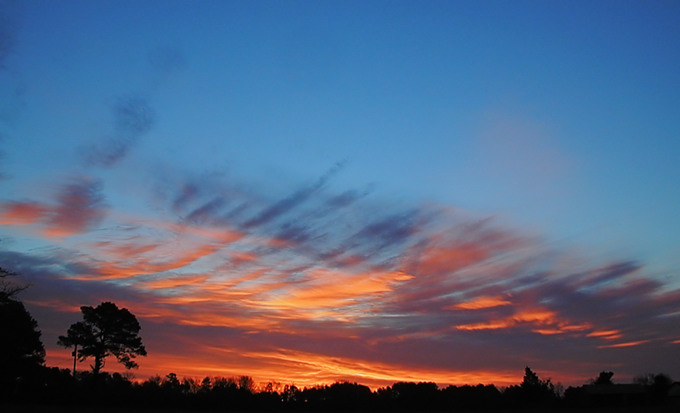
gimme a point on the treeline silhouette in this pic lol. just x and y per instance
(58, 387)
(108, 331)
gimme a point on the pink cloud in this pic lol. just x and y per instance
(78, 208)
(22, 213)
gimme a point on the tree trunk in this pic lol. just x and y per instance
(75, 357)
(97, 365)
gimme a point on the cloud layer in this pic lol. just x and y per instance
(321, 286)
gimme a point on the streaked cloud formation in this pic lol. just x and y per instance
(315, 289)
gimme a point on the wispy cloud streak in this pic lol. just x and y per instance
(133, 117)
(290, 202)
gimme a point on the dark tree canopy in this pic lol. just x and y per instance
(532, 391)
(605, 378)
(105, 330)
(531, 379)
(21, 351)
(78, 335)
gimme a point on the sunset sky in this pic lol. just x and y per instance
(373, 191)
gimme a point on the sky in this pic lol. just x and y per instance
(372, 191)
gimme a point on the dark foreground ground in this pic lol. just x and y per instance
(84, 409)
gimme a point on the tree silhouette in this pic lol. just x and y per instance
(532, 391)
(530, 380)
(21, 352)
(605, 378)
(9, 289)
(105, 330)
(77, 335)
(657, 385)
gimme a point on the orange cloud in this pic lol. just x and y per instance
(265, 299)
(123, 250)
(242, 256)
(57, 305)
(537, 316)
(546, 321)
(489, 325)
(606, 334)
(125, 259)
(480, 303)
(172, 282)
(329, 293)
(438, 259)
(22, 213)
(628, 344)
(120, 270)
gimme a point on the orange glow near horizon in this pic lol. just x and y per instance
(302, 369)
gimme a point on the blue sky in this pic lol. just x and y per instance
(373, 127)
